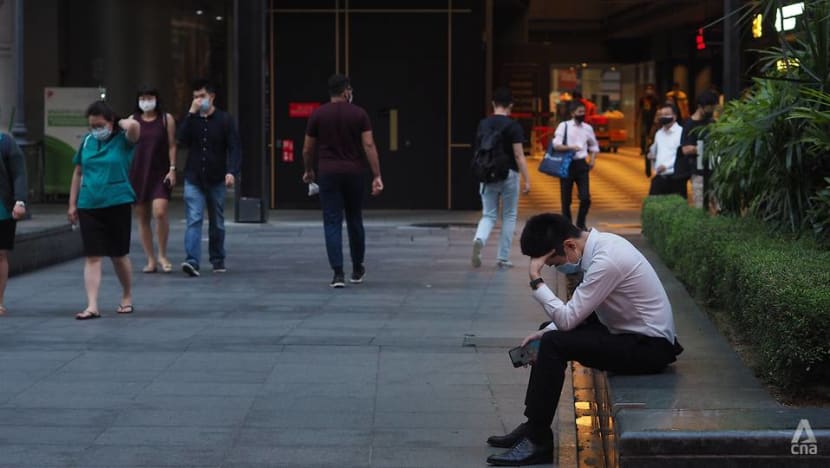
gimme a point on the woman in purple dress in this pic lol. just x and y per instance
(153, 175)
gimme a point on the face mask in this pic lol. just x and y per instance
(666, 121)
(147, 105)
(579, 118)
(570, 268)
(205, 106)
(102, 133)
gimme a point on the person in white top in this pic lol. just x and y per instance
(664, 154)
(619, 319)
(582, 141)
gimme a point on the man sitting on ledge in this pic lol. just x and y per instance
(619, 319)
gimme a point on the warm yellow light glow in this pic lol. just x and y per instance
(758, 26)
(784, 65)
(582, 405)
(585, 421)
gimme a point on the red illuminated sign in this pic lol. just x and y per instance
(288, 151)
(297, 110)
(701, 44)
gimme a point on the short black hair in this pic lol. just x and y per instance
(200, 83)
(668, 105)
(102, 109)
(577, 94)
(148, 90)
(503, 97)
(338, 84)
(574, 105)
(707, 98)
(545, 232)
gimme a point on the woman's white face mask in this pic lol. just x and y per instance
(147, 105)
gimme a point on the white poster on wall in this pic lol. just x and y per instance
(64, 126)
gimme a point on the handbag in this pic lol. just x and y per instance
(557, 163)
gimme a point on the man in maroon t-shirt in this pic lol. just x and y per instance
(341, 134)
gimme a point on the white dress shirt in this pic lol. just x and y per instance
(665, 147)
(620, 285)
(581, 135)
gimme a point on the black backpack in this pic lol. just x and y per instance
(490, 162)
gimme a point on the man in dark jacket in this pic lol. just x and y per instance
(213, 163)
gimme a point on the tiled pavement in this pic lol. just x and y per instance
(267, 366)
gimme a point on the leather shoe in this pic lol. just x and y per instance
(525, 452)
(509, 440)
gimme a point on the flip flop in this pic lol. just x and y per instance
(87, 315)
(166, 267)
(3, 310)
(125, 309)
(150, 270)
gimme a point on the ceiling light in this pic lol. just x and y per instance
(200, 12)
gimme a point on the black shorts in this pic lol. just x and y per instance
(106, 231)
(7, 227)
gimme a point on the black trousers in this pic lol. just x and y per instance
(578, 173)
(667, 185)
(592, 345)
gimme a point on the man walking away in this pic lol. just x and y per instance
(511, 155)
(341, 134)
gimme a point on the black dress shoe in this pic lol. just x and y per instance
(525, 452)
(509, 440)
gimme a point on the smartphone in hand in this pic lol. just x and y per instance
(524, 355)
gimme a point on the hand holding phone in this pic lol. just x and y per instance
(524, 355)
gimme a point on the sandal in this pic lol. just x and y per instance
(3, 310)
(87, 315)
(166, 267)
(125, 309)
(147, 269)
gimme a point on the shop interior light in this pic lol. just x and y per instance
(584, 65)
(200, 12)
(785, 17)
(219, 18)
(758, 26)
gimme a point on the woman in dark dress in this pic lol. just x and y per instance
(153, 175)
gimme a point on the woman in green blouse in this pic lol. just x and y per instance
(100, 199)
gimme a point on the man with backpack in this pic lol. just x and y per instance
(498, 159)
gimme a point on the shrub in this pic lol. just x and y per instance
(772, 290)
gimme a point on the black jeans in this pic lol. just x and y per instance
(667, 185)
(592, 345)
(578, 173)
(338, 193)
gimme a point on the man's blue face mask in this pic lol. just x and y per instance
(570, 268)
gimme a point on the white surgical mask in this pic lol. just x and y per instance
(147, 105)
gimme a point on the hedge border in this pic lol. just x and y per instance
(774, 291)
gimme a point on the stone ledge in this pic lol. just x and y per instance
(44, 247)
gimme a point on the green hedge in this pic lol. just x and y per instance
(774, 290)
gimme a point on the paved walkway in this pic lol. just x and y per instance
(267, 366)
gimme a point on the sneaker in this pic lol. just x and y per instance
(339, 281)
(477, 246)
(219, 267)
(358, 275)
(505, 264)
(190, 269)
